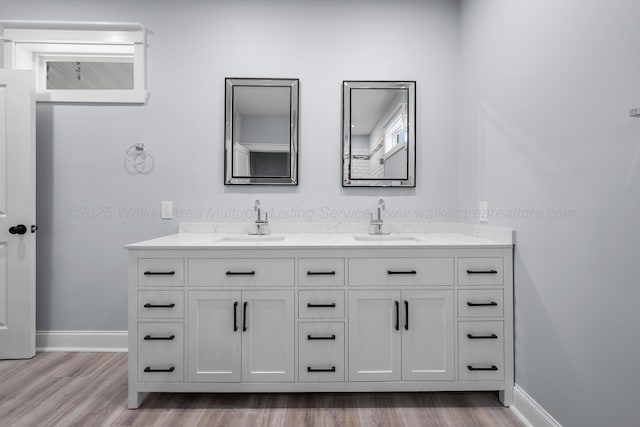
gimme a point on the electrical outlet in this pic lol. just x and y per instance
(484, 211)
(167, 210)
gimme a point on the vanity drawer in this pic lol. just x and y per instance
(247, 272)
(160, 367)
(160, 304)
(321, 304)
(480, 303)
(161, 272)
(400, 271)
(481, 351)
(480, 271)
(321, 352)
(321, 271)
(160, 338)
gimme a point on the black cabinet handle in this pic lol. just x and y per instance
(150, 369)
(235, 316)
(331, 369)
(149, 305)
(240, 273)
(312, 337)
(321, 273)
(482, 337)
(244, 316)
(159, 273)
(397, 315)
(482, 272)
(402, 272)
(482, 304)
(406, 315)
(150, 338)
(492, 368)
(18, 229)
(312, 305)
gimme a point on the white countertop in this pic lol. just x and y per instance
(204, 240)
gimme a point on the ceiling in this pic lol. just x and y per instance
(367, 107)
(262, 100)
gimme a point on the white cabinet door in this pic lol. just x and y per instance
(215, 333)
(374, 336)
(427, 335)
(17, 215)
(268, 336)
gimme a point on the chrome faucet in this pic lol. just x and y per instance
(376, 224)
(262, 225)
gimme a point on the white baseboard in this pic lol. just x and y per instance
(529, 411)
(91, 341)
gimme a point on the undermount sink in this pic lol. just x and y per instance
(253, 238)
(385, 238)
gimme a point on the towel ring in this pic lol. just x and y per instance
(137, 157)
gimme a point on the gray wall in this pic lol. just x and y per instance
(395, 167)
(265, 130)
(89, 207)
(548, 142)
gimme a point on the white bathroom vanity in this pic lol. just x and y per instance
(430, 310)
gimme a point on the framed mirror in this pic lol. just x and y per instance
(378, 134)
(261, 131)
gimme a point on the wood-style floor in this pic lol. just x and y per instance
(90, 389)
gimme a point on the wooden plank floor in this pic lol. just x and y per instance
(90, 389)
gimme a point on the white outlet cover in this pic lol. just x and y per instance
(484, 211)
(167, 210)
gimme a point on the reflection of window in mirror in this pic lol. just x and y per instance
(378, 133)
(395, 131)
(384, 137)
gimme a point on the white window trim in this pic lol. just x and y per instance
(28, 45)
(398, 115)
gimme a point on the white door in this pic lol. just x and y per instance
(241, 156)
(268, 336)
(17, 215)
(374, 336)
(215, 330)
(427, 335)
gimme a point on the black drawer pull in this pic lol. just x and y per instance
(482, 272)
(321, 273)
(312, 337)
(482, 337)
(406, 315)
(150, 338)
(149, 305)
(312, 305)
(402, 272)
(240, 273)
(492, 368)
(397, 303)
(244, 316)
(482, 304)
(235, 316)
(331, 369)
(159, 273)
(150, 369)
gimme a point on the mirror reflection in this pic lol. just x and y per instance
(379, 134)
(261, 131)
